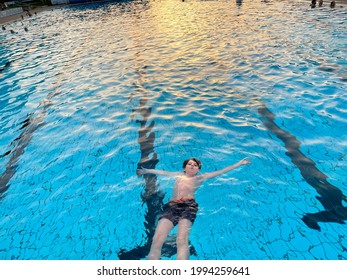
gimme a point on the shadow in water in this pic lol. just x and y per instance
(152, 197)
(329, 196)
(7, 64)
(30, 125)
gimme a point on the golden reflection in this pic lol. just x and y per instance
(182, 36)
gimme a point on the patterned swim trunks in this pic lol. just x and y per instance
(177, 210)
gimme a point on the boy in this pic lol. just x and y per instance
(181, 209)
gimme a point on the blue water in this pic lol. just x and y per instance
(90, 93)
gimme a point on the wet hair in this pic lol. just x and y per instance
(198, 162)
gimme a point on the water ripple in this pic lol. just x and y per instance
(196, 71)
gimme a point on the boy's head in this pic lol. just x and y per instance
(198, 162)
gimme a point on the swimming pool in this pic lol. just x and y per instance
(92, 92)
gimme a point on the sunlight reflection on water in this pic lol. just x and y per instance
(83, 77)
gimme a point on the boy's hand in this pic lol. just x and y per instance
(140, 172)
(245, 161)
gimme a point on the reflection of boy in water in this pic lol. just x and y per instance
(182, 208)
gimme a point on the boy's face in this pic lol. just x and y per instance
(191, 168)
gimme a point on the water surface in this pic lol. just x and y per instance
(90, 93)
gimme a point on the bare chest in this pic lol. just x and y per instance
(186, 183)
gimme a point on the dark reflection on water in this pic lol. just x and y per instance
(330, 196)
(3, 68)
(151, 197)
(32, 123)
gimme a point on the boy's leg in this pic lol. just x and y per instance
(163, 228)
(184, 227)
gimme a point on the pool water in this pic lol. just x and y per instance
(92, 92)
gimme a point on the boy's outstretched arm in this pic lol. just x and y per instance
(224, 170)
(144, 171)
